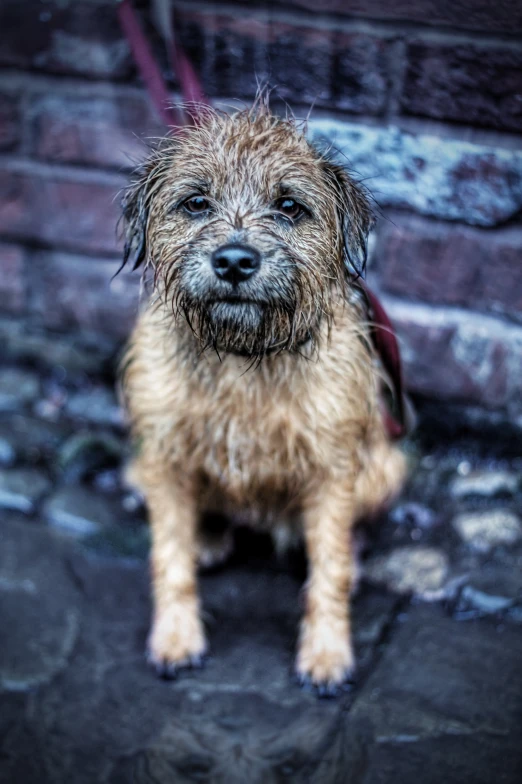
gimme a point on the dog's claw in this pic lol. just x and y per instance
(166, 671)
(169, 671)
(325, 689)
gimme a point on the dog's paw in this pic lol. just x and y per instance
(325, 664)
(176, 642)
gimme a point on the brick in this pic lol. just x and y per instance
(81, 37)
(10, 122)
(234, 54)
(300, 63)
(502, 16)
(358, 79)
(12, 280)
(468, 84)
(458, 356)
(76, 292)
(92, 130)
(435, 176)
(452, 265)
(324, 68)
(305, 64)
(55, 209)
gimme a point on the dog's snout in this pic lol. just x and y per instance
(235, 263)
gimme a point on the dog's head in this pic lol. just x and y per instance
(250, 230)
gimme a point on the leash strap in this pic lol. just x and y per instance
(387, 348)
(148, 67)
(145, 61)
(383, 335)
(190, 85)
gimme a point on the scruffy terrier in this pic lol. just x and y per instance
(250, 377)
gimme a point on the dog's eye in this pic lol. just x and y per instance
(196, 205)
(290, 208)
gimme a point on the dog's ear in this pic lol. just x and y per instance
(354, 216)
(135, 211)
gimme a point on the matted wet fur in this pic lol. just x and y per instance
(257, 397)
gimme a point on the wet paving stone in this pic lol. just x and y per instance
(22, 488)
(38, 606)
(107, 717)
(443, 705)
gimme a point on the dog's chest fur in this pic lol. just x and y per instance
(253, 437)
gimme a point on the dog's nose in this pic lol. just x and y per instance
(235, 263)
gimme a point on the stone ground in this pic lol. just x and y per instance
(438, 614)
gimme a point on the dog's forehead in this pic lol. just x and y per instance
(259, 154)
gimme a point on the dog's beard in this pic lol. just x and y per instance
(249, 329)
(281, 316)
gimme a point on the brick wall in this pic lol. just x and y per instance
(423, 96)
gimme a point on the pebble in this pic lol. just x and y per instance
(484, 483)
(418, 570)
(77, 509)
(464, 468)
(485, 530)
(17, 388)
(20, 342)
(98, 405)
(413, 514)
(85, 453)
(7, 452)
(29, 438)
(22, 488)
(484, 602)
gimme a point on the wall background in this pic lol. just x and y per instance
(423, 96)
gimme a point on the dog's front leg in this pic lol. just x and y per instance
(177, 636)
(325, 657)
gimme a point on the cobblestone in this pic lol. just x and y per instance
(17, 386)
(418, 570)
(95, 405)
(485, 483)
(488, 529)
(22, 488)
(86, 453)
(78, 509)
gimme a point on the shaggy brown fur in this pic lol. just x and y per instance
(258, 399)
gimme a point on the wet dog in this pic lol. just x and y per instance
(250, 378)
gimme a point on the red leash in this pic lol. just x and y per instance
(383, 335)
(148, 67)
(145, 61)
(387, 348)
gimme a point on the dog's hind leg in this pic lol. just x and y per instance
(215, 540)
(382, 475)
